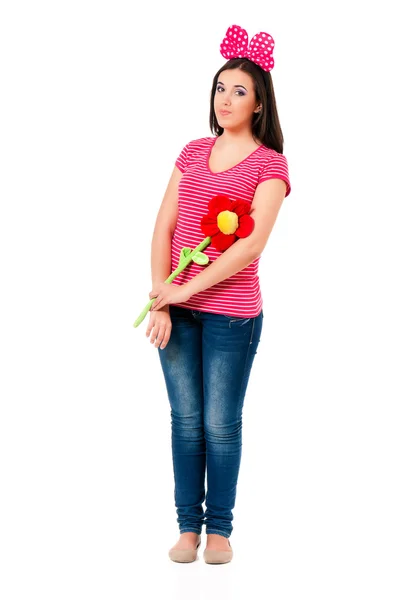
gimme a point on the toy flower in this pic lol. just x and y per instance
(225, 221)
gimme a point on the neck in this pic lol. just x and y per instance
(238, 138)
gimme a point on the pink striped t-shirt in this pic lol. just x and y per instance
(240, 294)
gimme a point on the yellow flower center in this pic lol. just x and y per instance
(227, 222)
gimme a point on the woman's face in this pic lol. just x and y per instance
(235, 95)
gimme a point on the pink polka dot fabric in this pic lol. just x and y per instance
(260, 49)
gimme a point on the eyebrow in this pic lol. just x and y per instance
(234, 85)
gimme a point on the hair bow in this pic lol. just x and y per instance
(235, 45)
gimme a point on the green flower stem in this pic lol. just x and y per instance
(183, 263)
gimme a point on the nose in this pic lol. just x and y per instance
(227, 98)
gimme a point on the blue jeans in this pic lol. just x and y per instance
(206, 365)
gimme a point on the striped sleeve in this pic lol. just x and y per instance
(182, 160)
(276, 168)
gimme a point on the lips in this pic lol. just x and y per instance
(224, 112)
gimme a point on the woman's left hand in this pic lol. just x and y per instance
(168, 293)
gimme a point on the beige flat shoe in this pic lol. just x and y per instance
(184, 556)
(218, 557)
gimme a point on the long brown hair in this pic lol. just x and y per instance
(265, 124)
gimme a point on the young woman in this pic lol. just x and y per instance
(207, 323)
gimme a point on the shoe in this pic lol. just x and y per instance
(184, 556)
(218, 557)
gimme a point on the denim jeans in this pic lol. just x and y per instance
(206, 366)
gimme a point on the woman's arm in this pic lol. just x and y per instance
(267, 201)
(164, 228)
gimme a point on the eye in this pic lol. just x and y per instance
(240, 92)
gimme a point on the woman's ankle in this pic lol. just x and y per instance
(190, 535)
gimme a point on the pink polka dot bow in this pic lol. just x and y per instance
(235, 45)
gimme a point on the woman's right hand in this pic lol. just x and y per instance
(161, 326)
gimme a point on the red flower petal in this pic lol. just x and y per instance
(209, 225)
(219, 203)
(221, 241)
(246, 226)
(241, 207)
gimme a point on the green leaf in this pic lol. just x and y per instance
(184, 253)
(200, 258)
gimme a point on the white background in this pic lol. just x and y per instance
(97, 100)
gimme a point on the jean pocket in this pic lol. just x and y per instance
(239, 321)
(234, 319)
